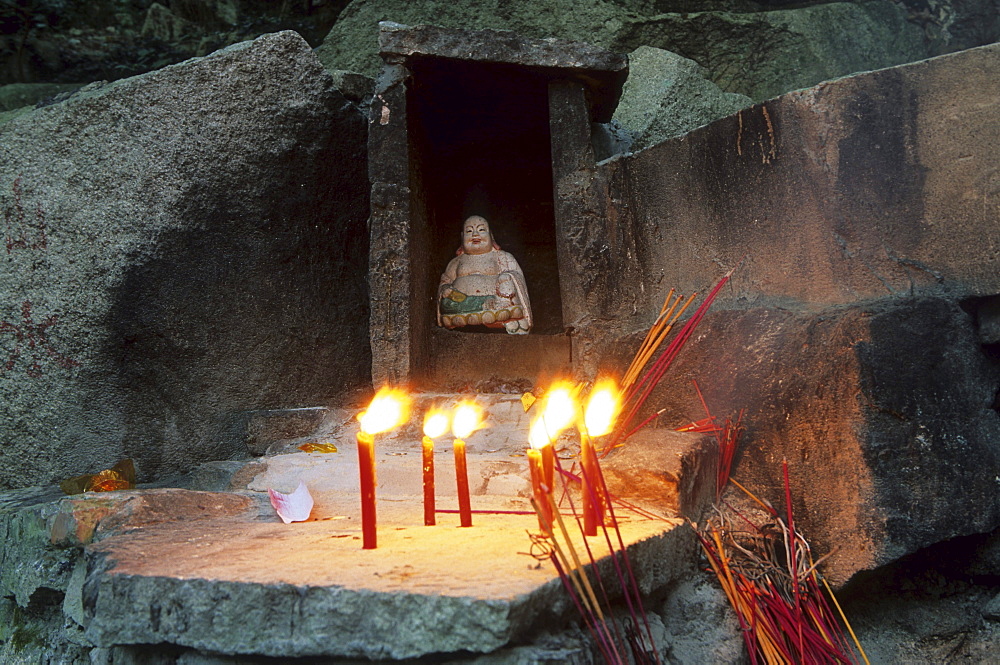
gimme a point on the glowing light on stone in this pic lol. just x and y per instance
(436, 423)
(467, 419)
(558, 409)
(388, 409)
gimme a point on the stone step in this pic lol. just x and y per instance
(237, 585)
(218, 572)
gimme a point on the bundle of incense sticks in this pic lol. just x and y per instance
(640, 390)
(655, 335)
(618, 645)
(780, 599)
(728, 436)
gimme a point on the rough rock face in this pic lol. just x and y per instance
(73, 42)
(760, 54)
(667, 95)
(177, 247)
(877, 185)
(884, 413)
(864, 211)
(764, 54)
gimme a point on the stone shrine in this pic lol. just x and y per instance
(491, 123)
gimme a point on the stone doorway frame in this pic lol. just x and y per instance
(582, 87)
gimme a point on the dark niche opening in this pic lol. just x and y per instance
(480, 144)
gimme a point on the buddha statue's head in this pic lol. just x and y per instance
(476, 238)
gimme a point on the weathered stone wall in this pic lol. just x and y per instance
(864, 218)
(878, 185)
(178, 246)
(884, 413)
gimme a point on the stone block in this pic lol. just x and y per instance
(28, 561)
(267, 427)
(237, 585)
(878, 185)
(353, 41)
(885, 413)
(180, 246)
(667, 95)
(666, 471)
(600, 72)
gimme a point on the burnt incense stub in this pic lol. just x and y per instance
(489, 124)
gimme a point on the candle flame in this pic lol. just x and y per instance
(558, 412)
(467, 419)
(559, 409)
(538, 437)
(436, 423)
(389, 408)
(602, 408)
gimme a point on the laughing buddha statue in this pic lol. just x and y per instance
(483, 285)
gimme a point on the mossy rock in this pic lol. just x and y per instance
(667, 95)
(760, 54)
(352, 44)
(765, 54)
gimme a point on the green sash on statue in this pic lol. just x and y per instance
(463, 304)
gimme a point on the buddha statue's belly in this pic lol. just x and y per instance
(476, 284)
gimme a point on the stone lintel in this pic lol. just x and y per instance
(601, 72)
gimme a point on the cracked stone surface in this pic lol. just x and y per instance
(235, 586)
(218, 572)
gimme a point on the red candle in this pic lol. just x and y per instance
(592, 506)
(435, 424)
(548, 466)
(558, 413)
(366, 465)
(429, 518)
(599, 418)
(462, 478)
(541, 461)
(388, 409)
(539, 493)
(466, 420)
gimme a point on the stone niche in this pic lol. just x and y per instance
(491, 123)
